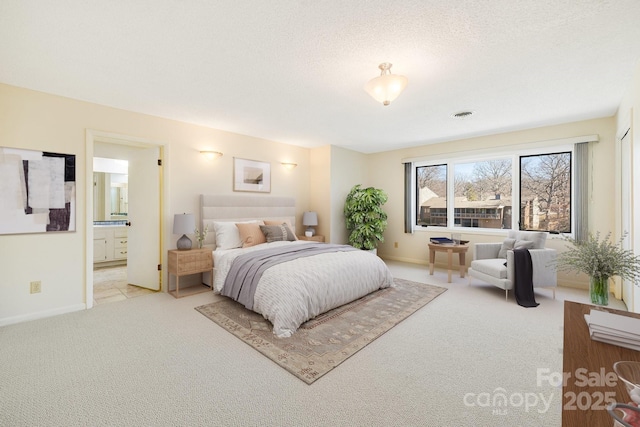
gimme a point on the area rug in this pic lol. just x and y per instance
(326, 341)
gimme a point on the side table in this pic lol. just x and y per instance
(584, 401)
(316, 238)
(185, 262)
(450, 249)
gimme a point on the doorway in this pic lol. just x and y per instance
(143, 220)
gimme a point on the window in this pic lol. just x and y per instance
(527, 191)
(545, 192)
(483, 194)
(431, 195)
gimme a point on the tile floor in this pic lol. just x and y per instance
(110, 284)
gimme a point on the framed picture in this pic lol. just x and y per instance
(37, 191)
(250, 175)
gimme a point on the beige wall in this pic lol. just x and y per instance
(348, 168)
(320, 189)
(38, 121)
(628, 118)
(33, 120)
(334, 171)
(389, 173)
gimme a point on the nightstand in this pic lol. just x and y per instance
(316, 238)
(192, 261)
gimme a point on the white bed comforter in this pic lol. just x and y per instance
(293, 292)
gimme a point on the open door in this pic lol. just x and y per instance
(143, 245)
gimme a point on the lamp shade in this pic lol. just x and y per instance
(184, 224)
(386, 87)
(310, 218)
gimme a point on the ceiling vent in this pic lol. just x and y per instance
(462, 114)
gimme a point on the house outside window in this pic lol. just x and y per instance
(431, 195)
(480, 194)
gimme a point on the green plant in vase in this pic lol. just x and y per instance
(600, 260)
(201, 235)
(366, 221)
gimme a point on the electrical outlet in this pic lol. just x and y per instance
(395, 245)
(36, 287)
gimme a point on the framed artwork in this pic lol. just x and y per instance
(250, 175)
(37, 191)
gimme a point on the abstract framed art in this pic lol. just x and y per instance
(251, 175)
(37, 191)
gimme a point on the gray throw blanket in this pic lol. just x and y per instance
(247, 269)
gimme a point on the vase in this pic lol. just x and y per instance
(599, 290)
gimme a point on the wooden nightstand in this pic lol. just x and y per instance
(316, 238)
(193, 261)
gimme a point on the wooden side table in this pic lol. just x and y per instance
(584, 401)
(193, 261)
(316, 238)
(450, 249)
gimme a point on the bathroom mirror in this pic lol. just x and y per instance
(110, 196)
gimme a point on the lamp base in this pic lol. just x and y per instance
(184, 243)
(309, 232)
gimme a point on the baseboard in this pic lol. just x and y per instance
(572, 284)
(402, 259)
(41, 314)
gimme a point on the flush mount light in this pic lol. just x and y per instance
(386, 87)
(289, 165)
(211, 155)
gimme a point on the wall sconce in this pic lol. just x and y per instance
(289, 165)
(386, 87)
(211, 155)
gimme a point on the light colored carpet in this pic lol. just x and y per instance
(326, 341)
(155, 361)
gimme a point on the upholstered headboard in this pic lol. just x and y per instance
(232, 207)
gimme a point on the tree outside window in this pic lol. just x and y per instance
(545, 192)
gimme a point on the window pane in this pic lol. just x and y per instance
(483, 194)
(545, 192)
(431, 195)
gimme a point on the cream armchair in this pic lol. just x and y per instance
(489, 260)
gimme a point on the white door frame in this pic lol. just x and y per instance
(626, 207)
(91, 137)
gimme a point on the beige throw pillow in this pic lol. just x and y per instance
(250, 234)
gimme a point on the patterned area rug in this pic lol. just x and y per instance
(326, 341)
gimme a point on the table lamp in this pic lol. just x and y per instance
(309, 219)
(183, 224)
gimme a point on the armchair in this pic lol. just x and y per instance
(489, 259)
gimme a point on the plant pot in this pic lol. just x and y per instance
(599, 290)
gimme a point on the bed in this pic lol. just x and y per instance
(306, 280)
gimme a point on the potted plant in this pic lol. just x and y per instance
(366, 221)
(600, 260)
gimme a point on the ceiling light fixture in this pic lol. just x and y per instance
(211, 155)
(386, 87)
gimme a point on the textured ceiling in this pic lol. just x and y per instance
(294, 71)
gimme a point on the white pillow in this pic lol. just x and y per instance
(228, 235)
